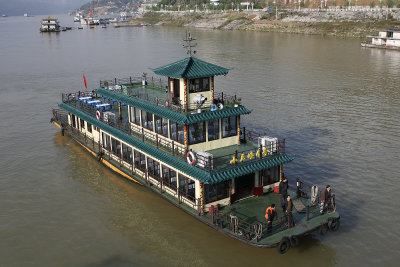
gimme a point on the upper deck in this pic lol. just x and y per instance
(238, 159)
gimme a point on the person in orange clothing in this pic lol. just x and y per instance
(270, 215)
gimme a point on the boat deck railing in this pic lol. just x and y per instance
(237, 157)
(169, 146)
(255, 230)
(126, 163)
(242, 226)
(134, 88)
(228, 159)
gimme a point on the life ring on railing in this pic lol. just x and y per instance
(191, 158)
(98, 115)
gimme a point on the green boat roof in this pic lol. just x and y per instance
(173, 115)
(190, 67)
(183, 166)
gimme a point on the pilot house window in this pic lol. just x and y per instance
(199, 85)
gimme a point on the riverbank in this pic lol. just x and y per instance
(328, 22)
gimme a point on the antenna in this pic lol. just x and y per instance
(189, 45)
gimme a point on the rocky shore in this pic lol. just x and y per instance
(334, 21)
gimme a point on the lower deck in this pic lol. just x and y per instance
(247, 215)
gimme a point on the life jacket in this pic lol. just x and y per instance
(269, 209)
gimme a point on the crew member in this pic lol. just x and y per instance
(325, 198)
(270, 215)
(289, 215)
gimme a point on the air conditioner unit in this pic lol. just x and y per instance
(109, 117)
(270, 143)
(204, 160)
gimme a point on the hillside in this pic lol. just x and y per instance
(110, 6)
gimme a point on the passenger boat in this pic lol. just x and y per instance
(49, 25)
(388, 39)
(185, 141)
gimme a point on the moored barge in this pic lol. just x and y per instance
(387, 39)
(185, 141)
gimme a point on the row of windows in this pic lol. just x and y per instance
(154, 168)
(169, 176)
(197, 131)
(161, 124)
(82, 124)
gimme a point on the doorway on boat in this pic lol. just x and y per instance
(243, 186)
(174, 91)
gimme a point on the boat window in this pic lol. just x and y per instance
(159, 122)
(199, 85)
(177, 132)
(172, 130)
(197, 133)
(137, 158)
(180, 134)
(147, 120)
(89, 127)
(116, 146)
(213, 130)
(229, 126)
(106, 141)
(82, 124)
(144, 119)
(165, 127)
(142, 162)
(73, 121)
(150, 166)
(187, 187)
(215, 192)
(153, 168)
(137, 116)
(169, 177)
(127, 153)
(270, 176)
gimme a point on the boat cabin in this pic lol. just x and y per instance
(389, 37)
(185, 141)
(205, 152)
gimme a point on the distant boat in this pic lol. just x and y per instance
(4, 15)
(50, 25)
(78, 17)
(387, 39)
(80, 28)
(26, 15)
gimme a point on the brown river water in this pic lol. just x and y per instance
(337, 105)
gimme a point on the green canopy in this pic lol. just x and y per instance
(190, 67)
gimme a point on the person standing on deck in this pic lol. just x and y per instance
(270, 215)
(325, 198)
(283, 188)
(289, 209)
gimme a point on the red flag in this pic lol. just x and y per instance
(84, 80)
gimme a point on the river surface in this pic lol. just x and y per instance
(337, 105)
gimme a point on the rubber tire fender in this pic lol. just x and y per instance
(323, 229)
(284, 245)
(294, 241)
(334, 224)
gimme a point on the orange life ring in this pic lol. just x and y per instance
(191, 158)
